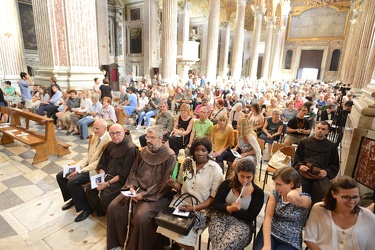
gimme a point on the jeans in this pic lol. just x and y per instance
(148, 116)
(276, 244)
(83, 126)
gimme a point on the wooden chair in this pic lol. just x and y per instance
(262, 146)
(289, 150)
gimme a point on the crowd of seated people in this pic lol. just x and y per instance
(275, 111)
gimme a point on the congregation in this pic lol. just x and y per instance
(227, 130)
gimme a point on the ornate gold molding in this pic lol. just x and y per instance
(300, 6)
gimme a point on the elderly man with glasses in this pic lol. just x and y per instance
(115, 163)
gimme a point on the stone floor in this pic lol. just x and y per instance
(30, 201)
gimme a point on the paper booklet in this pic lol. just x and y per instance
(70, 169)
(236, 154)
(178, 212)
(96, 179)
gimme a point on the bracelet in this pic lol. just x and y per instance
(194, 208)
(109, 184)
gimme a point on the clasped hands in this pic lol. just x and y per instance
(305, 168)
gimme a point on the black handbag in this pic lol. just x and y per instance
(177, 224)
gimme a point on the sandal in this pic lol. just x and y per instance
(69, 132)
(76, 133)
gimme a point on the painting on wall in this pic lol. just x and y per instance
(135, 14)
(28, 26)
(365, 167)
(135, 38)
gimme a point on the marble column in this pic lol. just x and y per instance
(238, 40)
(12, 55)
(224, 50)
(284, 24)
(365, 64)
(66, 33)
(203, 58)
(150, 37)
(102, 31)
(169, 44)
(212, 40)
(258, 12)
(270, 21)
(184, 23)
(276, 41)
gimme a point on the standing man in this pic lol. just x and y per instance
(115, 163)
(317, 151)
(71, 186)
(149, 176)
(165, 120)
(24, 84)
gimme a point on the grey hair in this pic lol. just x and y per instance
(156, 129)
(95, 96)
(102, 122)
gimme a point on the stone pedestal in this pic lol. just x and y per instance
(12, 59)
(67, 49)
(187, 55)
(360, 124)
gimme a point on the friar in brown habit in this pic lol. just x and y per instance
(148, 176)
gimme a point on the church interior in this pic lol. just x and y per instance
(221, 40)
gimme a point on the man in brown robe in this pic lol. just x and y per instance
(149, 175)
(115, 163)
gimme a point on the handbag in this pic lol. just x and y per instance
(279, 160)
(177, 224)
(312, 173)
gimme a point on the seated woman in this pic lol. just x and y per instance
(77, 113)
(90, 116)
(339, 222)
(247, 144)
(272, 130)
(218, 111)
(235, 114)
(230, 226)
(152, 110)
(181, 129)
(108, 111)
(201, 177)
(44, 96)
(286, 212)
(256, 118)
(222, 137)
(132, 100)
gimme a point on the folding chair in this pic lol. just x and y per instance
(289, 150)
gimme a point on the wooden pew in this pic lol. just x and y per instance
(44, 144)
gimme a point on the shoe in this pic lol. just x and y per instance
(138, 127)
(68, 205)
(69, 132)
(76, 133)
(83, 216)
(81, 137)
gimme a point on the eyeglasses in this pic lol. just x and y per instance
(347, 198)
(117, 133)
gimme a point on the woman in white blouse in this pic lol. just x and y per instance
(78, 112)
(339, 222)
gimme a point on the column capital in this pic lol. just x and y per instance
(258, 11)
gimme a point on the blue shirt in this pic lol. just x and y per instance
(25, 92)
(56, 97)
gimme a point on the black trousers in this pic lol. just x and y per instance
(73, 189)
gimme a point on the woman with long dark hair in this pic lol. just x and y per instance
(237, 203)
